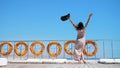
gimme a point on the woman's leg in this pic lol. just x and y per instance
(77, 59)
(82, 56)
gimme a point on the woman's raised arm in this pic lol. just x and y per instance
(72, 22)
(88, 20)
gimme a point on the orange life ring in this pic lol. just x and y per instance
(10, 48)
(59, 49)
(16, 49)
(66, 47)
(37, 53)
(91, 53)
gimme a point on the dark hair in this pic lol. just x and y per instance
(80, 26)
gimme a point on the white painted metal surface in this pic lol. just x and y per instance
(3, 61)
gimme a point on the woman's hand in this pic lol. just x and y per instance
(90, 14)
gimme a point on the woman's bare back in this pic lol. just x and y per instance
(80, 34)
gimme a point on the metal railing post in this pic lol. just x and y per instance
(103, 49)
(64, 51)
(56, 51)
(13, 52)
(28, 50)
(112, 47)
(7, 50)
(20, 50)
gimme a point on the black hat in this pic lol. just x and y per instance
(65, 17)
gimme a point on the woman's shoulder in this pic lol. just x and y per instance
(82, 30)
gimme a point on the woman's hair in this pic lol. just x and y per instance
(80, 26)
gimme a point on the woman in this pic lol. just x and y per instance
(80, 41)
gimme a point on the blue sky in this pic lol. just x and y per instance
(40, 19)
